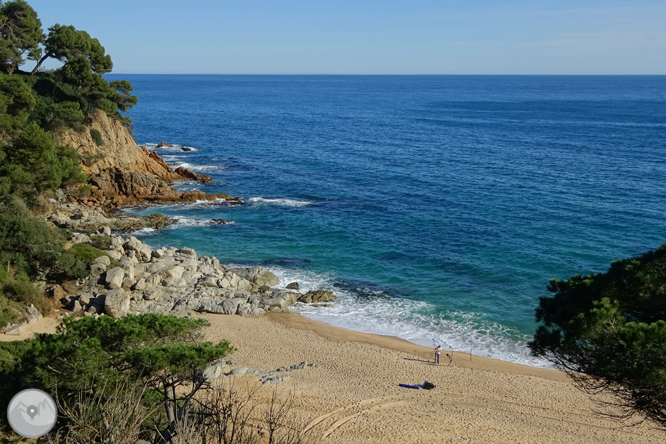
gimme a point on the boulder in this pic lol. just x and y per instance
(80, 238)
(86, 298)
(33, 314)
(187, 252)
(317, 296)
(114, 254)
(234, 281)
(117, 303)
(140, 284)
(293, 286)
(16, 330)
(114, 278)
(257, 275)
(173, 272)
(77, 308)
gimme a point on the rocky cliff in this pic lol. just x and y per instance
(122, 173)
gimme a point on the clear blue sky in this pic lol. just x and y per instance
(372, 36)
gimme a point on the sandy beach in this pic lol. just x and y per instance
(352, 394)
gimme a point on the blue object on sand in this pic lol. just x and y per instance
(426, 385)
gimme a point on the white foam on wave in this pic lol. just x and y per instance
(144, 232)
(174, 147)
(200, 168)
(414, 321)
(279, 202)
(219, 202)
(172, 157)
(182, 221)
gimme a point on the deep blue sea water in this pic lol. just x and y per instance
(436, 207)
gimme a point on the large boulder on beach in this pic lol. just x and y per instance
(114, 278)
(116, 303)
(259, 276)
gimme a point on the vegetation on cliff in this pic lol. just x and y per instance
(35, 106)
(608, 330)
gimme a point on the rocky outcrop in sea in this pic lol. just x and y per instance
(121, 173)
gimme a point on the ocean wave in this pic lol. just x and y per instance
(144, 232)
(279, 202)
(415, 321)
(201, 168)
(194, 222)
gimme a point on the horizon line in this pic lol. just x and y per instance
(331, 74)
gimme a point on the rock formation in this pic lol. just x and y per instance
(175, 281)
(122, 173)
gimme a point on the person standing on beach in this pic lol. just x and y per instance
(438, 351)
(450, 359)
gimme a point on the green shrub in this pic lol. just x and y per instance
(18, 288)
(26, 242)
(82, 191)
(100, 242)
(75, 262)
(3, 274)
(10, 311)
(97, 137)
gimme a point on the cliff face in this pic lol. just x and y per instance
(122, 173)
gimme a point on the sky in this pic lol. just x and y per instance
(371, 36)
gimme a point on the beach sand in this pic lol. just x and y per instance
(352, 394)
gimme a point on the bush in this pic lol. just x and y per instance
(82, 191)
(75, 262)
(100, 242)
(26, 242)
(10, 312)
(97, 137)
(3, 274)
(18, 288)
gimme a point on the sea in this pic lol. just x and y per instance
(437, 208)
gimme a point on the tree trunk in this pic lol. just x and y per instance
(34, 70)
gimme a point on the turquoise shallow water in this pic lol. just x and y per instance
(437, 207)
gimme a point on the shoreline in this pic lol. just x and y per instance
(293, 320)
(352, 395)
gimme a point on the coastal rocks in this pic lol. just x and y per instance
(217, 370)
(317, 297)
(176, 281)
(79, 217)
(191, 175)
(259, 276)
(293, 286)
(163, 145)
(114, 278)
(116, 303)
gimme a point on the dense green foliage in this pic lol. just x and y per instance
(20, 34)
(609, 331)
(101, 354)
(27, 244)
(75, 262)
(35, 106)
(97, 137)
